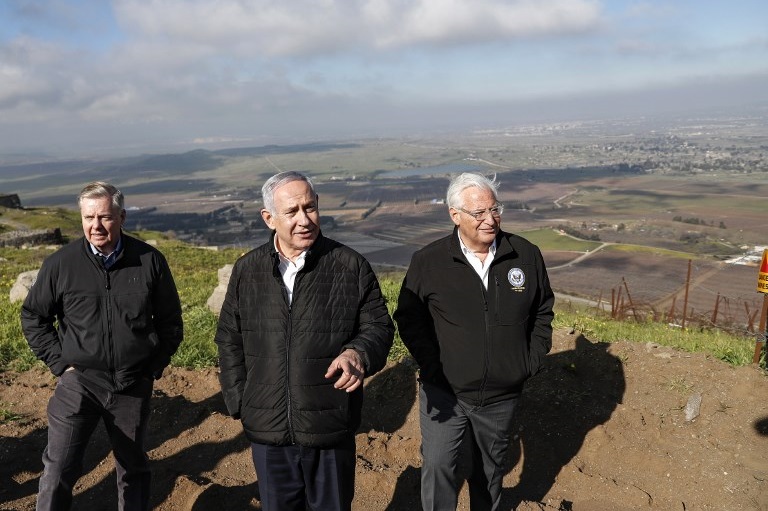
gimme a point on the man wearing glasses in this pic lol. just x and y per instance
(475, 311)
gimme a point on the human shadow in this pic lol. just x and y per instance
(21, 462)
(407, 493)
(576, 391)
(19, 458)
(761, 426)
(389, 397)
(172, 416)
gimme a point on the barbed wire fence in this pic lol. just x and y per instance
(735, 312)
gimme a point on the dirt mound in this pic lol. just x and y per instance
(602, 427)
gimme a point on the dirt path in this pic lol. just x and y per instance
(602, 428)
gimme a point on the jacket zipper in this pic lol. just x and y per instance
(110, 343)
(288, 339)
(487, 344)
(288, 336)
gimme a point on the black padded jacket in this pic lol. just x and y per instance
(273, 356)
(480, 344)
(114, 326)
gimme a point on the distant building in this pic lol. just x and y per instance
(752, 257)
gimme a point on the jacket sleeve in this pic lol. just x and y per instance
(229, 340)
(416, 327)
(38, 316)
(543, 314)
(376, 330)
(167, 317)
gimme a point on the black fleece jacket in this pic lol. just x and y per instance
(114, 326)
(480, 344)
(273, 356)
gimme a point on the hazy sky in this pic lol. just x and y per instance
(87, 76)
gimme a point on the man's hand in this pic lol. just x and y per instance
(350, 367)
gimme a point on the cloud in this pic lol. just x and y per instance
(153, 72)
(311, 27)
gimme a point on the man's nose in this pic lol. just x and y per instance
(303, 217)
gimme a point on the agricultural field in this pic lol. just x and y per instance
(613, 205)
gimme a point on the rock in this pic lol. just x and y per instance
(216, 299)
(693, 407)
(20, 288)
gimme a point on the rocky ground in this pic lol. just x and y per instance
(602, 427)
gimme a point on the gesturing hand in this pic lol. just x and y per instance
(349, 366)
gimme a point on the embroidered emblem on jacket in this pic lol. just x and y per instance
(516, 277)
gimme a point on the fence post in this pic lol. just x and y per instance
(714, 313)
(685, 299)
(760, 343)
(671, 315)
(629, 298)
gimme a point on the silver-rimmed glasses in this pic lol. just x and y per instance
(479, 215)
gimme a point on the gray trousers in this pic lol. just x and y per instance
(74, 411)
(446, 421)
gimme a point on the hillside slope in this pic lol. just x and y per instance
(603, 427)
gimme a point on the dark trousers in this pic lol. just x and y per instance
(296, 478)
(445, 421)
(74, 411)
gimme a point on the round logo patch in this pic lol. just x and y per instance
(516, 277)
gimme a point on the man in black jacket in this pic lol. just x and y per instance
(302, 324)
(104, 315)
(475, 311)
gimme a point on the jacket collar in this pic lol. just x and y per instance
(311, 251)
(504, 247)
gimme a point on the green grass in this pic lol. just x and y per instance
(735, 350)
(195, 271)
(642, 249)
(550, 239)
(7, 415)
(68, 220)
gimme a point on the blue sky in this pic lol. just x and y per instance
(81, 77)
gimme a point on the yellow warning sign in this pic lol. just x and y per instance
(762, 277)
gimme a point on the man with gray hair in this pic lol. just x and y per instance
(475, 311)
(105, 316)
(302, 324)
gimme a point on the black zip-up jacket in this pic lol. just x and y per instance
(480, 344)
(114, 326)
(273, 356)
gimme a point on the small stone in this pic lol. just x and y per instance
(693, 407)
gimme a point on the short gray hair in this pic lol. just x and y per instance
(469, 180)
(278, 180)
(100, 189)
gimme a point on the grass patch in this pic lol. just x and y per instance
(196, 273)
(735, 350)
(7, 415)
(550, 239)
(68, 220)
(641, 249)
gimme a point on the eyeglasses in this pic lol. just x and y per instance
(495, 212)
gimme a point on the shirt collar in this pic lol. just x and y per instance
(467, 252)
(118, 248)
(284, 259)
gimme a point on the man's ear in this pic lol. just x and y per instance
(268, 219)
(455, 216)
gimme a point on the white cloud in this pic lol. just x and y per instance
(311, 27)
(169, 70)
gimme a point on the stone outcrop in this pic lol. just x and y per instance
(10, 201)
(21, 287)
(31, 238)
(216, 300)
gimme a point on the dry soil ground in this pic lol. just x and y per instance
(602, 427)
